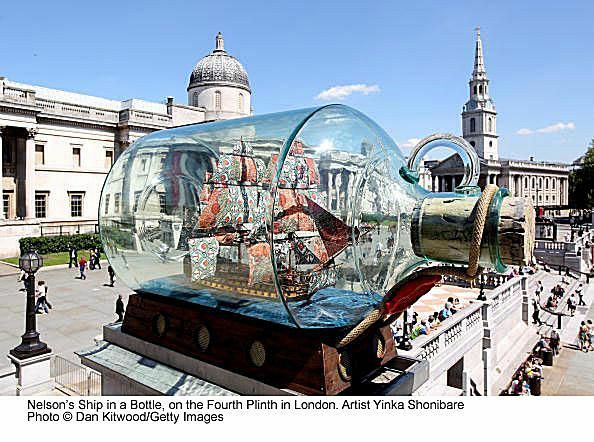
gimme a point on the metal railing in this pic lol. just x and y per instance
(68, 229)
(74, 379)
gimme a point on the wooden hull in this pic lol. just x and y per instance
(301, 360)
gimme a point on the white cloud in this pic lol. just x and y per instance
(340, 92)
(410, 143)
(557, 127)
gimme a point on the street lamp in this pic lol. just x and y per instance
(30, 345)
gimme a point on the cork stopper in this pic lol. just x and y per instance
(516, 231)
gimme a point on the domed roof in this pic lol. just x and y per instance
(219, 68)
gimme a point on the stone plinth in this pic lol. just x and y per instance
(33, 374)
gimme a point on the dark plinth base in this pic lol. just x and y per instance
(30, 347)
(301, 360)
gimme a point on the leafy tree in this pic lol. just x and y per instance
(581, 182)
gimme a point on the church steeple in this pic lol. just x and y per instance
(478, 114)
(479, 61)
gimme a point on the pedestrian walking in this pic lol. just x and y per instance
(578, 292)
(98, 258)
(584, 337)
(571, 306)
(536, 313)
(73, 256)
(591, 332)
(82, 265)
(554, 341)
(41, 294)
(120, 309)
(111, 273)
(92, 259)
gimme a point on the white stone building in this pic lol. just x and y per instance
(58, 146)
(546, 183)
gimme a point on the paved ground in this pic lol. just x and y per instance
(573, 371)
(80, 308)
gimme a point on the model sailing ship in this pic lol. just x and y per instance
(227, 239)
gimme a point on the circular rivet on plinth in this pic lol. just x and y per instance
(202, 337)
(257, 353)
(345, 366)
(160, 324)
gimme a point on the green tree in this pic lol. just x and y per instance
(581, 182)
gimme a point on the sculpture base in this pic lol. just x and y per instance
(302, 360)
(33, 374)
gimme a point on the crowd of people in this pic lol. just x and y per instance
(527, 379)
(418, 326)
(42, 305)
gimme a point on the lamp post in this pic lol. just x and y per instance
(30, 344)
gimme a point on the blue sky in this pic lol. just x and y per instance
(415, 56)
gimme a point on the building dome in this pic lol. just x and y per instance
(219, 68)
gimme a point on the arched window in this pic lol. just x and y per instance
(490, 144)
(195, 99)
(240, 102)
(475, 89)
(525, 182)
(217, 97)
(540, 183)
(553, 182)
(480, 88)
(472, 125)
(490, 124)
(533, 183)
(547, 183)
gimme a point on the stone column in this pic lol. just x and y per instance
(1, 178)
(329, 191)
(337, 184)
(30, 174)
(453, 182)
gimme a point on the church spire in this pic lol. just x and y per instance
(479, 114)
(220, 43)
(479, 61)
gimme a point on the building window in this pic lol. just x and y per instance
(162, 203)
(39, 154)
(553, 182)
(116, 202)
(473, 144)
(533, 183)
(76, 204)
(553, 198)
(6, 205)
(40, 205)
(217, 96)
(490, 124)
(490, 144)
(526, 182)
(475, 89)
(546, 183)
(143, 164)
(540, 183)
(76, 156)
(240, 103)
(108, 158)
(472, 125)
(106, 211)
(136, 199)
(480, 88)
(195, 99)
